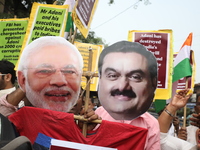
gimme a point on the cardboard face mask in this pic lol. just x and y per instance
(128, 79)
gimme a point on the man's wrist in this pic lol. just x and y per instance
(171, 108)
(169, 113)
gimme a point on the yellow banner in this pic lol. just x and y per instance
(84, 50)
(82, 15)
(160, 44)
(45, 20)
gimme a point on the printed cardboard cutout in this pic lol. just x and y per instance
(128, 79)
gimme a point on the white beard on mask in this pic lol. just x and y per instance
(36, 99)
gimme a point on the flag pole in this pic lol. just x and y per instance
(185, 107)
(84, 131)
(74, 35)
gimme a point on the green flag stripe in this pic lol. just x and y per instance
(69, 23)
(182, 69)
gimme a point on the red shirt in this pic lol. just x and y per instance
(30, 121)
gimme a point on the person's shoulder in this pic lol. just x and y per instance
(149, 121)
(148, 116)
(99, 109)
(191, 127)
(101, 112)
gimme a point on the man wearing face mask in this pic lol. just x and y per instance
(127, 82)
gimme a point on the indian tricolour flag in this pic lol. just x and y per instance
(182, 65)
(182, 68)
(69, 24)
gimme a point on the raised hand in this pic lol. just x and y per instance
(180, 99)
(195, 120)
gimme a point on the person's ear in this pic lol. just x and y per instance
(21, 80)
(8, 77)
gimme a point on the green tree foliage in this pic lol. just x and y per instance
(91, 38)
(22, 8)
(19, 8)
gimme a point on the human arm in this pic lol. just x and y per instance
(6, 108)
(166, 117)
(169, 142)
(15, 97)
(195, 120)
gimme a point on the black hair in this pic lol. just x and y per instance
(126, 46)
(6, 67)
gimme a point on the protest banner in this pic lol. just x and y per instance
(84, 50)
(12, 33)
(82, 15)
(46, 20)
(160, 44)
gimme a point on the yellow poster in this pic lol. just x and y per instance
(45, 20)
(82, 15)
(160, 44)
(84, 50)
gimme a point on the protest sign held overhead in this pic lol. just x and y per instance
(12, 32)
(46, 20)
(160, 44)
(82, 15)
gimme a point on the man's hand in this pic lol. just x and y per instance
(166, 117)
(195, 120)
(176, 123)
(182, 133)
(179, 100)
(90, 115)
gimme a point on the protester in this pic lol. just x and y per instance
(189, 133)
(165, 119)
(7, 77)
(49, 71)
(50, 83)
(127, 82)
(128, 79)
